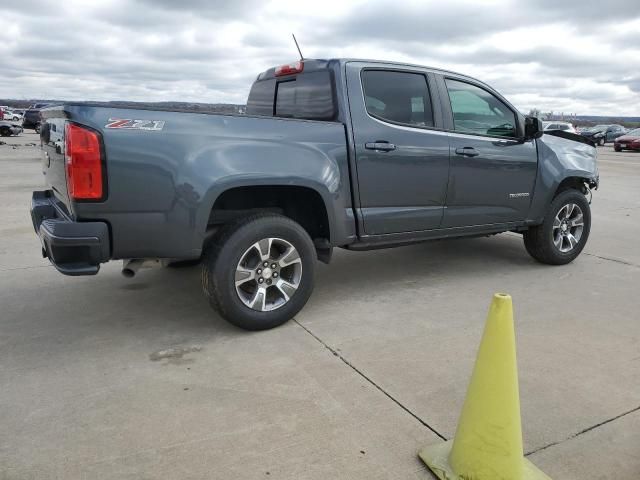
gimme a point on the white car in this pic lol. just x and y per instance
(564, 126)
(12, 116)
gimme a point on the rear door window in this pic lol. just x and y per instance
(398, 97)
(479, 112)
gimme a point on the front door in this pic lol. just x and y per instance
(402, 161)
(493, 171)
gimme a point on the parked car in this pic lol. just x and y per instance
(601, 134)
(331, 153)
(564, 126)
(9, 128)
(12, 115)
(628, 141)
(614, 131)
(596, 134)
(31, 117)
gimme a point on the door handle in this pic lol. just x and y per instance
(380, 145)
(467, 151)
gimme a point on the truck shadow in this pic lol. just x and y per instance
(429, 260)
(168, 305)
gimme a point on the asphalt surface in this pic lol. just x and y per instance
(108, 378)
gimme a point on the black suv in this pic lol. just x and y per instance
(31, 117)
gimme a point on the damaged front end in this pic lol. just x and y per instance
(564, 160)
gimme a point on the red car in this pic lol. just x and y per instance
(629, 141)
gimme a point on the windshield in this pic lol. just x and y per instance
(635, 132)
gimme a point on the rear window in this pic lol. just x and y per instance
(306, 96)
(260, 100)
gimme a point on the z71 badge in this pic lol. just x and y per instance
(155, 125)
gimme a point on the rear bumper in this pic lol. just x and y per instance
(28, 123)
(74, 248)
(626, 146)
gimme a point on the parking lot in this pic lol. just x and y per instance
(111, 378)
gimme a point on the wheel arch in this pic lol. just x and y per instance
(305, 202)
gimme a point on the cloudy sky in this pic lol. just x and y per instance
(566, 56)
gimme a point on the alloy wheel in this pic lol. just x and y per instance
(268, 274)
(568, 226)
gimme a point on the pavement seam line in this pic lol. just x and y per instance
(378, 387)
(610, 259)
(616, 260)
(586, 430)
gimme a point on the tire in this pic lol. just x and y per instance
(234, 248)
(541, 240)
(601, 142)
(5, 132)
(617, 149)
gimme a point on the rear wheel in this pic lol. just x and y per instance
(564, 231)
(601, 141)
(5, 131)
(258, 272)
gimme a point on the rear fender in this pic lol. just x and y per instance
(265, 163)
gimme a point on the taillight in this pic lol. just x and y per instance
(83, 162)
(291, 68)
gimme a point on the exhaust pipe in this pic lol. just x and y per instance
(131, 267)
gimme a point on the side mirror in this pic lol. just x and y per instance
(533, 128)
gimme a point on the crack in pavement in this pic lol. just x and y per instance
(581, 432)
(359, 372)
(601, 257)
(425, 424)
(616, 260)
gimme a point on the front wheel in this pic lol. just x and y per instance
(258, 272)
(564, 231)
(601, 141)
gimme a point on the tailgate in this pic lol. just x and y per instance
(53, 167)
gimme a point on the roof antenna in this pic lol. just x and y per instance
(297, 46)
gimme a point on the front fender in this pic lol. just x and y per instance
(558, 159)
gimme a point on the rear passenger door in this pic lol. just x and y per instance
(493, 170)
(402, 158)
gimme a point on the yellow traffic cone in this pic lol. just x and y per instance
(488, 441)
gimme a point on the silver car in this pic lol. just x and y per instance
(9, 128)
(564, 126)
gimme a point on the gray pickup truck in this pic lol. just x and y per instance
(331, 153)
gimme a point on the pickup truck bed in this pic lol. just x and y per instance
(162, 184)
